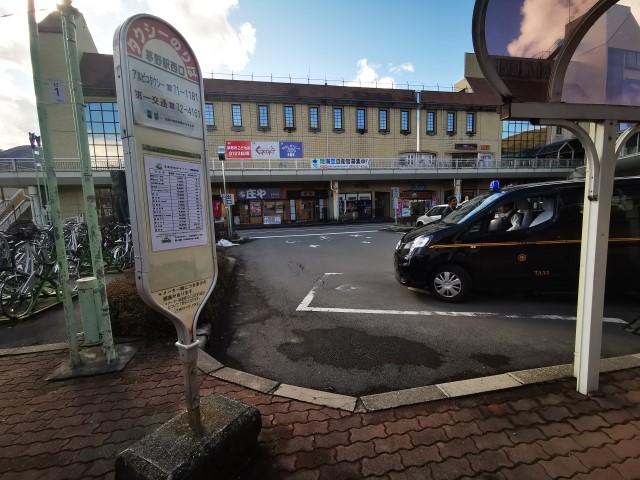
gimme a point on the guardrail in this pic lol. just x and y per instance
(431, 164)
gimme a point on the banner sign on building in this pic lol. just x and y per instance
(259, 193)
(238, 149)
(265, 150)
(340, 163)
(466, 146)
(291, 150)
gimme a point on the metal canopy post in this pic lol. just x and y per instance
(593, 258)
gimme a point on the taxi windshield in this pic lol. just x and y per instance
(470, 207)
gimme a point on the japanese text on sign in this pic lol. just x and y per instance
(176, 203)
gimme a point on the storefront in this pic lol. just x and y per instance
(355, 206)
(274, 205)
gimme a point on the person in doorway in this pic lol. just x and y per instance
(452, 204)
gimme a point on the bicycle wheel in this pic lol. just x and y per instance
(119, 258)
(18, 298)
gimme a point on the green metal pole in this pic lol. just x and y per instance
(52, 186)
(88, 189)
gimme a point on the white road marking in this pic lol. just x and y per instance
(304, 307)
(315, 234)
(307, 300)
(314, 246)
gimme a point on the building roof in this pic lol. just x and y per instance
(23, 151)
(481, 98)
(98, 80)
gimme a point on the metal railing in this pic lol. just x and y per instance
(435, 165)
(13, 209)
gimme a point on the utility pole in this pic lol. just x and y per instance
(88, 189)
(52, 186)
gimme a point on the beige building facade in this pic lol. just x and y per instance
(301, 152)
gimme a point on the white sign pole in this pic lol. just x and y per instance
(161, 104)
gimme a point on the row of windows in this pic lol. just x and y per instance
(338, 123)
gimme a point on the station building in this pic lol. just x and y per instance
(300, 152)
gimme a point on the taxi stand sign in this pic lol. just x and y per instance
(161, 104)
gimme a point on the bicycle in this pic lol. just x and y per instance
(37, 275)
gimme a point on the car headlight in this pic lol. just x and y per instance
(399, 244)
(419, 243)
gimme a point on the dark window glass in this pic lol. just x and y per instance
(404, 121)
(314, 119)
(337, 118)
(209, 118)
(288, 117)
(431, 122)
(263, 116)
(451, 122)
(361, 119)
(236, 115)
(383, 114)
(103, 128)
(471, 122)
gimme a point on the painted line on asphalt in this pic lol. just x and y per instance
(304, 307)
(316, 234)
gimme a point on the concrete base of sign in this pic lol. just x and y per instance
(229, 434)
(95, 363)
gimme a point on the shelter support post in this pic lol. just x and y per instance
(593, 256)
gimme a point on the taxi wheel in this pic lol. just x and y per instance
(450, 283)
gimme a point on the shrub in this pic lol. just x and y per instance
(130, 316)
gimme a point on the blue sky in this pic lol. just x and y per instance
(420, 41)
(361, 42)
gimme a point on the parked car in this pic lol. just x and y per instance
(433, 214)
(473, 248)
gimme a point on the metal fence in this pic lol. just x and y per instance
(431, 164)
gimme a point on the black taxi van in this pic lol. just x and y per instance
(532, 244)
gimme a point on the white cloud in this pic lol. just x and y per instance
(368, 76)
(217, 44)
(543, 24)
(405, 67)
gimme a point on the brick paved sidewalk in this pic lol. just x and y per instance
(73, 429)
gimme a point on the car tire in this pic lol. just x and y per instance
(419, 224)
(450, 283)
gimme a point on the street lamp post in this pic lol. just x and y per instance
(221, 157)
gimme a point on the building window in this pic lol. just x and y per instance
(209, 117)
(361, 120)
(404, 122)
(236, 115)
(383, 116)
(558, 130)
(471, 123)
(337, 118)
(431, 123)
(451, 123)
(314, 119)
(103, 131)
(289, 118)
(263, 117)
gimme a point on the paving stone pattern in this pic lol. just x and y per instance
(73, 429)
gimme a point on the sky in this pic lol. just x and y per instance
(359, 42)
(414, 44)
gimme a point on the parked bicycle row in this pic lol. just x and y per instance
(29, 270)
